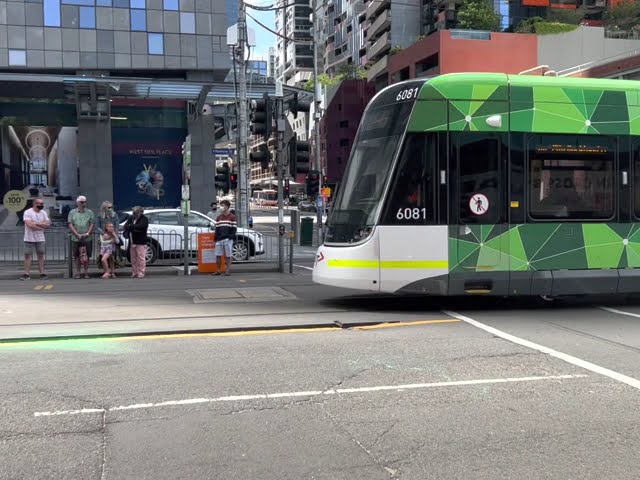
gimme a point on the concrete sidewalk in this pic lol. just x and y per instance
(59, 271)
(67, 308)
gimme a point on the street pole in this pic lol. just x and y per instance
(280, 128)
(243, 170)
(186, 200)
(316, 117)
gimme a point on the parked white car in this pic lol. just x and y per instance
(166, 231)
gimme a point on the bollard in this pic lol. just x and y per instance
(292, 237)
(295, 223)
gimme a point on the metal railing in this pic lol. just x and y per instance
(165, 248)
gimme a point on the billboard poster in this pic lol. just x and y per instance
(147, 166)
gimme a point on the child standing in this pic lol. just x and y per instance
(109, 241)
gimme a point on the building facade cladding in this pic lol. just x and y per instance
(450, 51)
(339, 125)
(388, 24)
(294, 61)
(115, 34)
(341, 34)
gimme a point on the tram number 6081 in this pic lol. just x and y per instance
(407, 94)
(411, 214)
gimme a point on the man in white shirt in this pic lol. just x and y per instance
(36, 222)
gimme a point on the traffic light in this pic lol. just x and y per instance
(298, 156)
(223, 178)
(233, 181)
(297, 104)
(287, 187)
(261, 116)
(325, 180)
(263, 155)
(313, 183)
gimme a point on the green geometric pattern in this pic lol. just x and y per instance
(464, 102)
(549, 246)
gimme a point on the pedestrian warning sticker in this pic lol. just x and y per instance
(479, 204)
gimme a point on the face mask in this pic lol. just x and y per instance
(110, 211)
(39, 207)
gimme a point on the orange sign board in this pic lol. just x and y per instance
(207, 253)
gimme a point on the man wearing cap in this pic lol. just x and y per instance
(81, 225)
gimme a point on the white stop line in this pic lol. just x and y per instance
(312, 393)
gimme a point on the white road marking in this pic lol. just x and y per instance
(549, 351)
(619, 312)
(311, 393)
(302, 266)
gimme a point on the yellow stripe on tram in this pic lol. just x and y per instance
(389, 264)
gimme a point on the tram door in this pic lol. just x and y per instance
(481, 230)
(413, 247)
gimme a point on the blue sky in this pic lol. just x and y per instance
(264, 39)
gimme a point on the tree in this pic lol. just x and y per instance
(478, 15)
(346, 72)
(624, 16)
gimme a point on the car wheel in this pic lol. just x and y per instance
(153, 252)
(241, 249)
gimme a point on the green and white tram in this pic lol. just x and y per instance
(491, 184)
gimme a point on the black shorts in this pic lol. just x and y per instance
(75, 249)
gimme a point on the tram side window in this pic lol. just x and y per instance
(411, 199)
(571, 177)
(479, 178)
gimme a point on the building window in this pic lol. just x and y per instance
(187, 22)
(171, 4)
(138, 4)
(156, 44)
(571, 177)
(88, 3)
(138, 20)
(340, 107)
(87, 17)
(344, 124)
(52, 13)
(121, 3)
(344, 142)
(17, 58)
(103, 3)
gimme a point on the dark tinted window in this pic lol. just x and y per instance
(411, 199)
(571, 177)
(479, 178)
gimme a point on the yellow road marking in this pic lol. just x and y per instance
(38, 287)
(226, 334)
(405, 324)
(48, 287)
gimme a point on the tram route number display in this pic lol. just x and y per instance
(14, 201)
(407, 94)
(411, 214)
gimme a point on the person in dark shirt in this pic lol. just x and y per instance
(226, 227)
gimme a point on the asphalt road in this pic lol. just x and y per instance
(461, 390)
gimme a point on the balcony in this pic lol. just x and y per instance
(375, 7)
(381, 24)
(378, 68)
(379, 48)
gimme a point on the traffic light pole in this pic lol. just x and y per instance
(242, 209)
(316, 116)
(280, 122)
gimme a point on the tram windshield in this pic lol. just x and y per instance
(360, 197)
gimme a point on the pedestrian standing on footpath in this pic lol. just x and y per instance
(36, 221)
(109, 243)
(135, 230)
(226, 227)
(82, 223)
(213, 212)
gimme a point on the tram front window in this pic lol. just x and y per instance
(356, 208)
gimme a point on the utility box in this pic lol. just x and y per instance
(306, 231)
